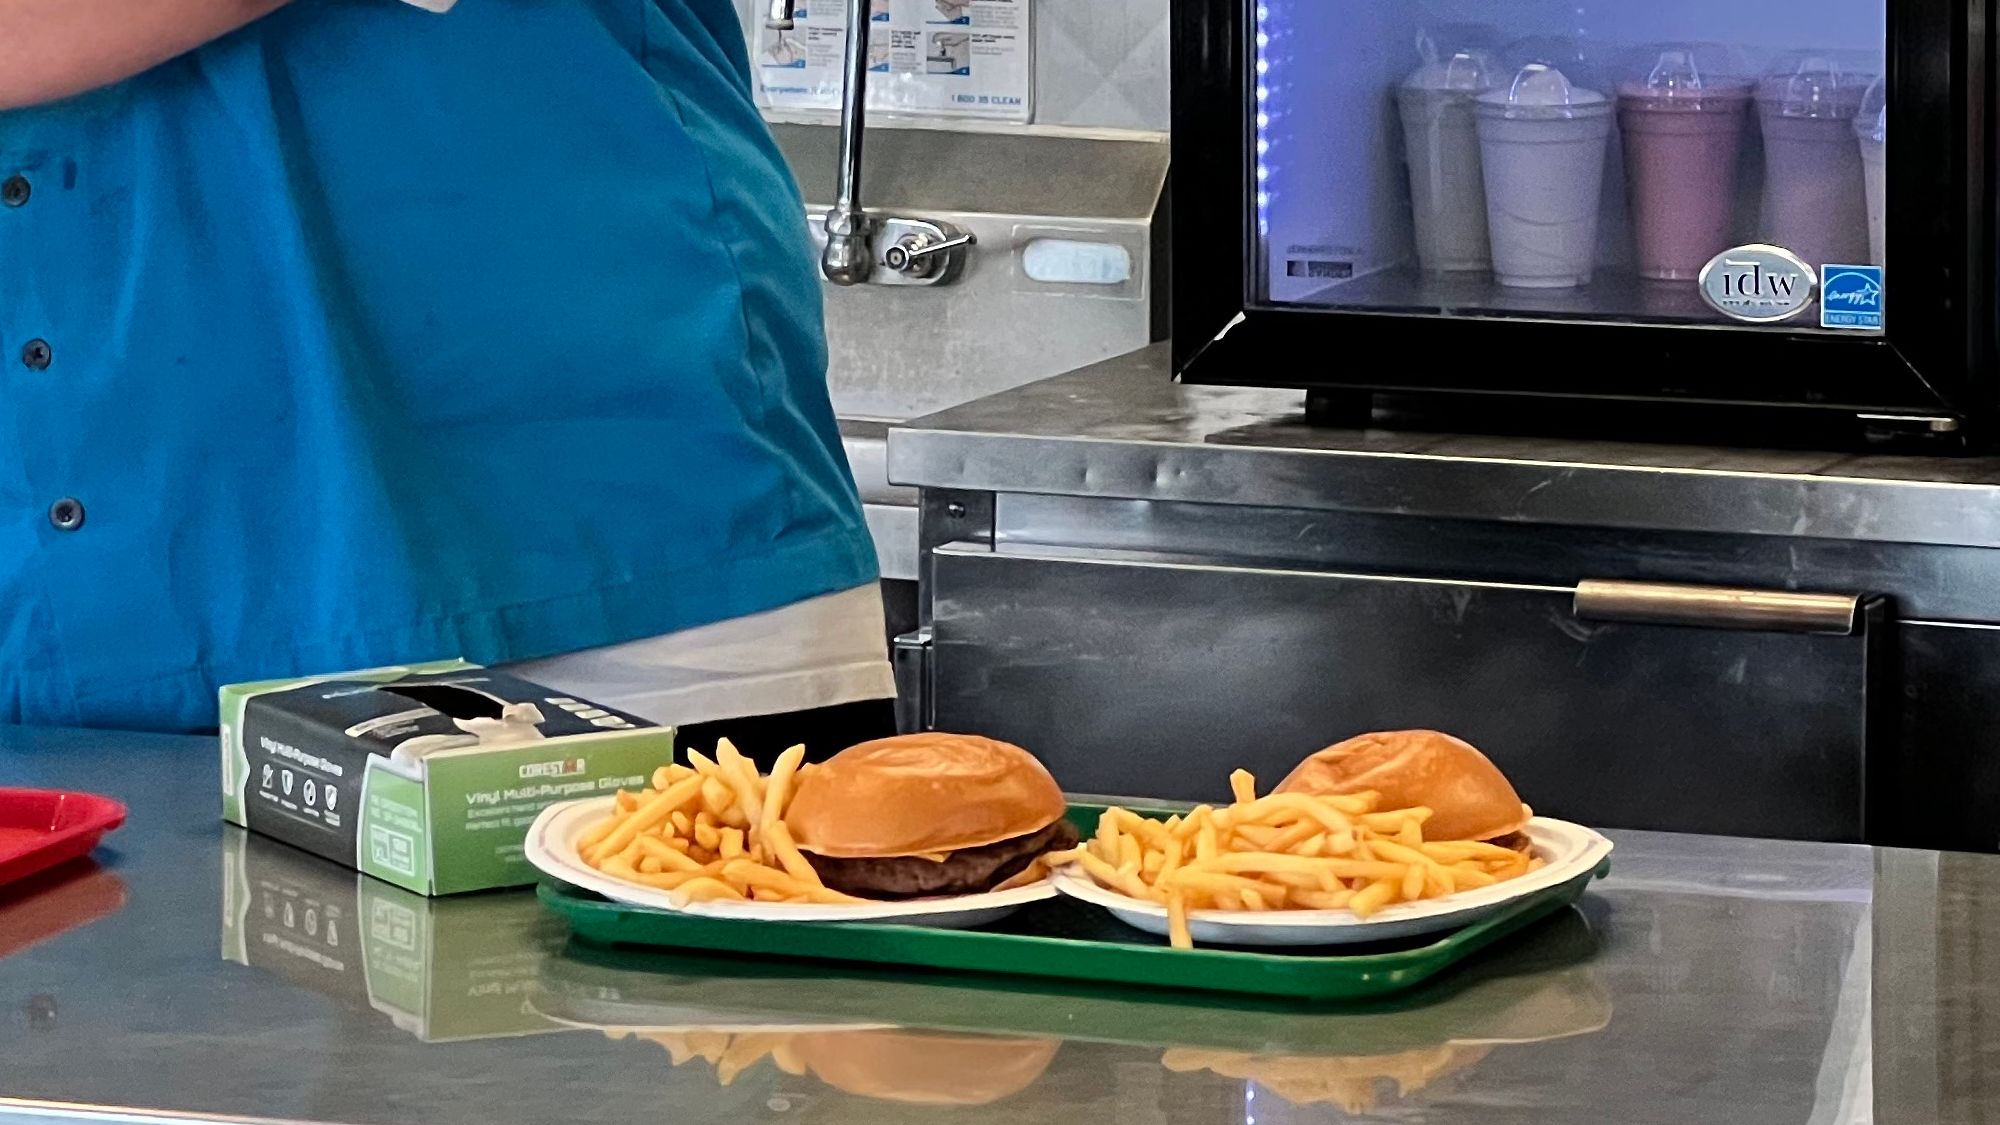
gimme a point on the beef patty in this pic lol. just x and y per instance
(967, 871)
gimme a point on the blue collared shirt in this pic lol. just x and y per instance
(365, 335)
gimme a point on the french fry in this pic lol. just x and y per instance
(741, 775)
(595, 834)
(751, 875)
(627, 800)
(778, 788)
(666, 855)
(1413, 882)
(1206, 840)
(1210, 882)
(1187, 828)
(651, 812)
(1130, 853)
(703, 889)
(1243, 786)
(1391, 822)
(731, 845)
(671, 880)
(778, 840)
(1177, 921)
(716, 797)
(1373, 897)
(1241, 862)
(1324, 900)
(1124, 882)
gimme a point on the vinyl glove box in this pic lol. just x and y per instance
(425, 776)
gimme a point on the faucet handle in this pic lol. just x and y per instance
(920, 255)
(780, 17)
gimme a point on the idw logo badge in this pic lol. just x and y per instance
(1850, 297)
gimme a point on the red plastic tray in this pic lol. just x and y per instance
(40, 828)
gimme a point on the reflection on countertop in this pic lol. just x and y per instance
(441, 969)
(50, 903)
(1706, 980)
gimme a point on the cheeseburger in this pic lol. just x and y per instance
(1469, 798)
(927, 815)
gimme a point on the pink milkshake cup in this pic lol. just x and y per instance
(1815, 194)
(1683, 134)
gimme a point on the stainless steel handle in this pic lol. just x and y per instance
(780, 18)
(1718, 607)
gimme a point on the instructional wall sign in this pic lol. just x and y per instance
(950, 58)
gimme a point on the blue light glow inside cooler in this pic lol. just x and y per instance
(1332, 178)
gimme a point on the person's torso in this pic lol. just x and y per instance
(368, 335)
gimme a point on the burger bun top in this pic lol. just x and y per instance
(1469, 798)
(919, 794)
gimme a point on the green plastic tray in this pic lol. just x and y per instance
(1540, 984)
(1067, 939)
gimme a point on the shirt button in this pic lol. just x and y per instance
(66, 514)
(15, 190)
(37, 354)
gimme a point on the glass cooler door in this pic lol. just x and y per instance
(1679, 199)
(1678, 162)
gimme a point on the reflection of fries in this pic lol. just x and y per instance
(711, 830)
(1287, 851)
(1348, 1082)
(892, 1065)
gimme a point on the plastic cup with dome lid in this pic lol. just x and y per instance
(1447, 186)
(1542, 144)
(1871, 130)
(1815, 193)
(1683, 134)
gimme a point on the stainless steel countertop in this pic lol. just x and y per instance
(1123, 429)
(1708, 980)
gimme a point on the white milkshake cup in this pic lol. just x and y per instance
(1542, 145)
(1447, 188)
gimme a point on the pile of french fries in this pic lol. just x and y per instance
(730, 1053)
(1349, 1082)
(1286, 851)
(712, 830)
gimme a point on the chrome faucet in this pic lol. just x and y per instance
(918, 251)
(849, 257)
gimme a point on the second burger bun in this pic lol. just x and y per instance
(1469, 798)
(919, 794)
(925, 1069)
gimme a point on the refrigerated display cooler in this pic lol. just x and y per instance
(1680, 202)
